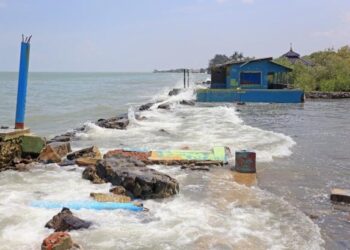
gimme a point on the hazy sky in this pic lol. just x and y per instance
(142, 35)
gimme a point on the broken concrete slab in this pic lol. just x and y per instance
(340, 195)
(11, 133)
(100, 197)
(32, 144)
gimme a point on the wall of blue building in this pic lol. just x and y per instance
(263, 67)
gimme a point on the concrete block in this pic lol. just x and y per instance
(340, 195)
(61, 148)
(49, 155)
(32, 144)
(10, 133)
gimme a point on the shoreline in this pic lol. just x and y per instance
(326, 95)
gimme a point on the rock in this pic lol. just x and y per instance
(175, 92)
(327, 95)
(65, 137)
(146, 106)
(49, 155)
(100, 197)
(66, 162)
(86, 157)
(90, 174)
(92, 152)
(140, 181)
(198, 168)
(9, 150)
(164, 131)
(23, 167)
(84, 162)
(141, 156)
(340, 195)
(66, 221)
(58, 241)
(188, 102)
(118, 122)
(61, 148)
(164, 106)
(118, 190)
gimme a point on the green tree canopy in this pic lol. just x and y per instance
(330, 71)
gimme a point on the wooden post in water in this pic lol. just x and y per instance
(188, 78)
(184, 78)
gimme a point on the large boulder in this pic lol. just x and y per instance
(49, 155)
(146, 106)
(85, 157)
(61, 148)
(164, 106)
(66, 221)
(54, 152)
(136, 178)
(90, 174)
(118, 122)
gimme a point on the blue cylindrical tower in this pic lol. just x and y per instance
(22, 83)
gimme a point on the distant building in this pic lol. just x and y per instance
(255, 80)
(294, 57)
(261, 73)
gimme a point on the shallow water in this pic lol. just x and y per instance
(320, 161)
(211, 211)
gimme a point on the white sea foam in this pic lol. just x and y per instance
(196, 127)
(211, 212)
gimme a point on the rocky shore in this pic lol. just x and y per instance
(327, 95)
(128, 172)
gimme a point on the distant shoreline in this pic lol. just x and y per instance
(327, 95)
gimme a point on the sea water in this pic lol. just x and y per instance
(210, 212)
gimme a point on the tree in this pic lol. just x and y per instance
(218, 59)
(330, 71)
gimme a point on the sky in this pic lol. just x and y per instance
(142, 35)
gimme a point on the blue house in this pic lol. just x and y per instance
(257, 80)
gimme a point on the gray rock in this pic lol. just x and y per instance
(66, 221)
(175, 92)
(61, 148)
(188, 102)
(164, 106)
(146, 106)
(91, 152)
(136, 178)
(119, 122)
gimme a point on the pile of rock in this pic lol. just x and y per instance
(63, 222)
(327, 95)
